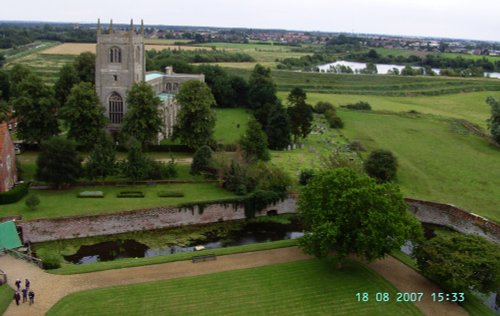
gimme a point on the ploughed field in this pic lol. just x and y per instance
(309, 287)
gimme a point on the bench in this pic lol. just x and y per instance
(207, 257)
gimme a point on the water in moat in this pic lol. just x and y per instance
(251, 234)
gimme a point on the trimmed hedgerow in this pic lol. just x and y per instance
(14, 195)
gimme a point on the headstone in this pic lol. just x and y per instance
(289, 147)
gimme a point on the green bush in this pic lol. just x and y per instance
(91, 194)
(170, 194)
(381, 165)
(305, 176)
(32, 201)
(15, 194)
(51, 261)
(322, 107)
(160, 170)
(360, 106)
(130, 194)
(202, 160)
(333, 119)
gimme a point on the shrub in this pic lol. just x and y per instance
(305, 176)
(160, 170)
(333, 119)
(32, 201)
(51, 261)
(130, 194)
(322, 107)
(355, 145)
(15, 194)
(202, 160)
(170, 194)
(360, 106)
(91, 194)
(381, 165)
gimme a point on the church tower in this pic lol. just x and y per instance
(120, 62)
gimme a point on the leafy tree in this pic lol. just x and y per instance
(240, 91)
(4, 85)
(101, 161)
(202, 160)
(323, 106)
(4, 111)
(381, 165)
(262, 89)
(371, 69)
(18, 73)
(2, 60)
(348, 212)
(68, 77)
(32, 201)
(334, 120)
(35, 109)
(461, 262)
(84, 115)
(220, 85)
(254, 142)
(494, 120)
(278, 129)
(196, 119)
(300, 113)
(137, 166)
(85, 67)
(58, 162)
(142, 121)
(305, 176)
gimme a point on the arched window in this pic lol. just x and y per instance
(115, 55)
(115, 108)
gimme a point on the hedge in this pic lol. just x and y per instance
(14, 195)
(130, 194)
(170, 194)
(91, 194)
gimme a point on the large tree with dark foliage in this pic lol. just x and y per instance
(35, 108)
(68, 77)
(254, 142)
(278, 128)
(494, 120)
(101, 161)
(58, 162)
(262, 89)
(85, 67)
(196, 120)
(84, 115)
(300, 113)
(381, 165)
(347, 212)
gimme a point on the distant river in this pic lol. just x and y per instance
(383, 69)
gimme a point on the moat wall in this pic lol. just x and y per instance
(165, 217)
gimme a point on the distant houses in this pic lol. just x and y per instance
(8, 172)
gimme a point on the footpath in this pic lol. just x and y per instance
(50, 288)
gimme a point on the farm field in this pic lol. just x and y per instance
(65, 203)
(317, 290)
(468, 106)
(231, 125)
(439, 160)
(47, 66)
(78, 48)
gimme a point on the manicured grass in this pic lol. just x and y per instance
(468, 106)
(309, 287)
(65, 203)
(438, 160)
(68, 268)
(6, 294)
(468, 56)
(231, 125)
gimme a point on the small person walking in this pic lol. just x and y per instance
(27, 283)
(17, 297)
(18, 284)
(31, 295)
(25, 295)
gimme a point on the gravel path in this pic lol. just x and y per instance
(50, 288)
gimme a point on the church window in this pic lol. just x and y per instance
(115, 77)
(115, 108)
(115, 55)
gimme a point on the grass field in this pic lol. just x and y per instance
(308, 287)
(438, 160)
(467, 56)
(400, 52)
(231, 125)
(468, 106)
(385, 85)
(47, 66)
(65, 203)
(6, 294)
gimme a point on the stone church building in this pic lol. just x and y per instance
(121, 62)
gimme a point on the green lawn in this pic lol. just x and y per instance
(309, 287)
(231, 125)
(65, 203)
(438, 160)
(468, 56)
(468, 106)
(6, 294)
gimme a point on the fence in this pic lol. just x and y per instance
(28, 258)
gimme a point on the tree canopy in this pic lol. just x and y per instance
(101, 161)
(348, 212)
(85, 67)
(196, 119)
(300, 113)
(142, 121)
(461, 262)
(278, 128)
(68, 77)
(84, 115)
(494, 120)
(202, 160)
(254, 142)
(381, 165)
(58, 162)
(262, 89)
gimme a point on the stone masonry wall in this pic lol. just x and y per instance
(147, 219)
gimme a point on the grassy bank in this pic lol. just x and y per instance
(6, 294)
(231, 125)
(438, 159)
(317, 289)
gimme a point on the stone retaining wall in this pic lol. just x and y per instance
(455, 218)
(146, 219)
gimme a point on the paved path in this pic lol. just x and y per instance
(50, 288)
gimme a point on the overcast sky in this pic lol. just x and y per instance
(479, 19)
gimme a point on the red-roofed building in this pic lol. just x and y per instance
(8, 172)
